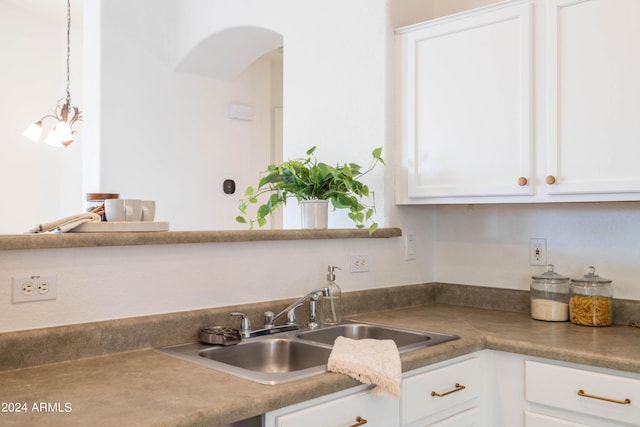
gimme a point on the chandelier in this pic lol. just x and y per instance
(65, 114)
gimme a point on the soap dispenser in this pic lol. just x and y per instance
(331, 306)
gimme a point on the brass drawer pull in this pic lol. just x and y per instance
(626, 401)
(360, 421)
(458, 388)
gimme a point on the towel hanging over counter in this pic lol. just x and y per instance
(65, 224)
(369, 361)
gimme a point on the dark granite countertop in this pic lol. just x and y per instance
(146, 388)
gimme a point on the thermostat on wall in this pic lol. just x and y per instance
(239, 111)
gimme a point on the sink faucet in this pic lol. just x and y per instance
(312, 296)
(291, 324)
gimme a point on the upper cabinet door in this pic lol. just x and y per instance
(593, 98)
(465, 106)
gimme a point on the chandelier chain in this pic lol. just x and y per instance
(68, 50)
(64, 113)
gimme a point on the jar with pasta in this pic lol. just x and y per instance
(590, 301)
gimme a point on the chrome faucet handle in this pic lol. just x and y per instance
(291, 314)
(268, 319)
(313, 310)
(245, 324)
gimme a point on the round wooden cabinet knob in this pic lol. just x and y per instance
(550, 179)
(522, 181)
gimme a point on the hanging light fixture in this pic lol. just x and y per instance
(66, 114)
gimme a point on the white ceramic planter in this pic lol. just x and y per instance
(314, 214)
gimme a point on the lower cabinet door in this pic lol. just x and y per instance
(468, 418)
(361, 408)
(531, 419)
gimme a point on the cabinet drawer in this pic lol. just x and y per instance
(560, 387)
(426, 394)
(531, 419)
(356, 409)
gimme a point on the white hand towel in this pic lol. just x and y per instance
(65, 224)
(370, 362)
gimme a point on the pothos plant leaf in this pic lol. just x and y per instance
(308, 179)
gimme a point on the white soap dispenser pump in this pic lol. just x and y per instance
(331, 305)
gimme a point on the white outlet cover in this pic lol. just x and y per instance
(39, 283)
(359, 263)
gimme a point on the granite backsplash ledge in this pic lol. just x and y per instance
(62, 343)
(35, 347)
(624, 311)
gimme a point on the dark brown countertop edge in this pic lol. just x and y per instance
(84, 240)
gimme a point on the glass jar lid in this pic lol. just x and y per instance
(591, 278)
(550, 276)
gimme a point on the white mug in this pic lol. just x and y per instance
(148, 210)
(123, 209)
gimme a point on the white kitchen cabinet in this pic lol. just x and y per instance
(603, 397)
(465, 105)
(469, 418)
(533, 392)
(532, 419)
(477, 115)
(500, 390)
(445, 395)
(462, 408)
(593, 131)
(353, 407)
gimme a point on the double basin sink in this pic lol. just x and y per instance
(293, 355)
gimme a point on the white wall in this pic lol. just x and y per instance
(337, 102)
(165, 135)
(109, 283)
(38, 182)
(489, 245)
(482, 245)
(334, 90)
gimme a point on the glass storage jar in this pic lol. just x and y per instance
(590, 302)
(550, 296)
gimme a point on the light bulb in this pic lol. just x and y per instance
(63, 132)
(33, 132)
(53, 139)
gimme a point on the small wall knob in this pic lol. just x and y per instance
(229, 186)
(550, 179)
(522, 181)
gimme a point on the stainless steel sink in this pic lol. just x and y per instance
(267, 360)
(290, 356)
(276, 355)
(405, 339)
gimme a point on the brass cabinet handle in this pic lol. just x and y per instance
(550, 180)
(626, 401)
(522, 181)
(360, 421)
(458, 388)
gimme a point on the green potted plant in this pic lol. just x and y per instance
(308, 179)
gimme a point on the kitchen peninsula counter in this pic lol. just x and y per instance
(146, 388)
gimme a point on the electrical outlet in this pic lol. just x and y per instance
(410, 247)
(537, 251)
(359, 263)
(34, 288)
